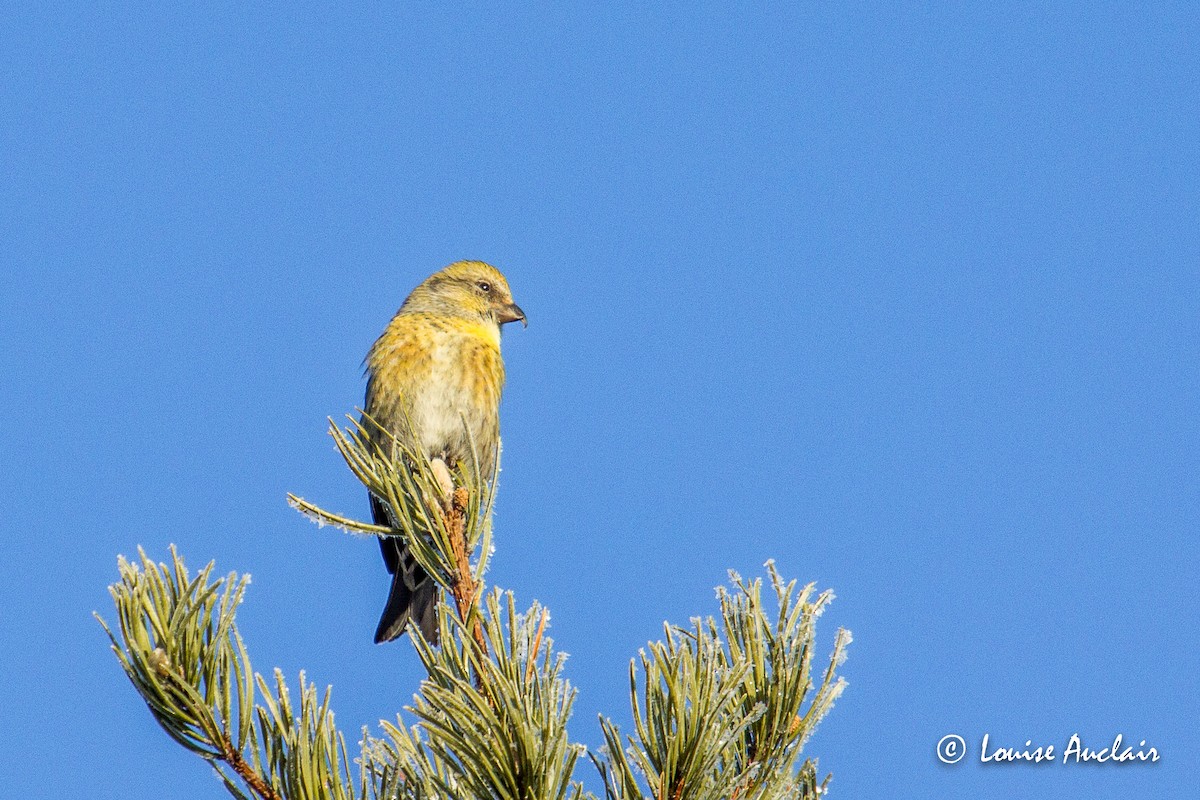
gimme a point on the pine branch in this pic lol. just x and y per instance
(178, 643)
(722, 708)
(492, 714)
(505, 740)
(441, 529)
(721, 711)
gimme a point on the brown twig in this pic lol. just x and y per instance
(255, 781)
(464, 588)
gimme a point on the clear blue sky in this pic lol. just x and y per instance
(907, 299)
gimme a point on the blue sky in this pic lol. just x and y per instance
(906, 298)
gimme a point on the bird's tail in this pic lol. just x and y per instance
(405, 605)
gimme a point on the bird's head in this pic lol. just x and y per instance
(467, 289)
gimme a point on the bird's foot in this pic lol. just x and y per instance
(444, 479)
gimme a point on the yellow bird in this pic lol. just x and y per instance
(437, 364)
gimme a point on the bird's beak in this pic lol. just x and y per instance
(511, 313)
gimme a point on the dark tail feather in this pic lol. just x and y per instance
(413, 595)
(405, 605)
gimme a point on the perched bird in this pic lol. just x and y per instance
(437, 365)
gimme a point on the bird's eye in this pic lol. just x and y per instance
(484, 286)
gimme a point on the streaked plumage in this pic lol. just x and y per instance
(439, 361)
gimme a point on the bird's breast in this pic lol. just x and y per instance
(447, 378)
